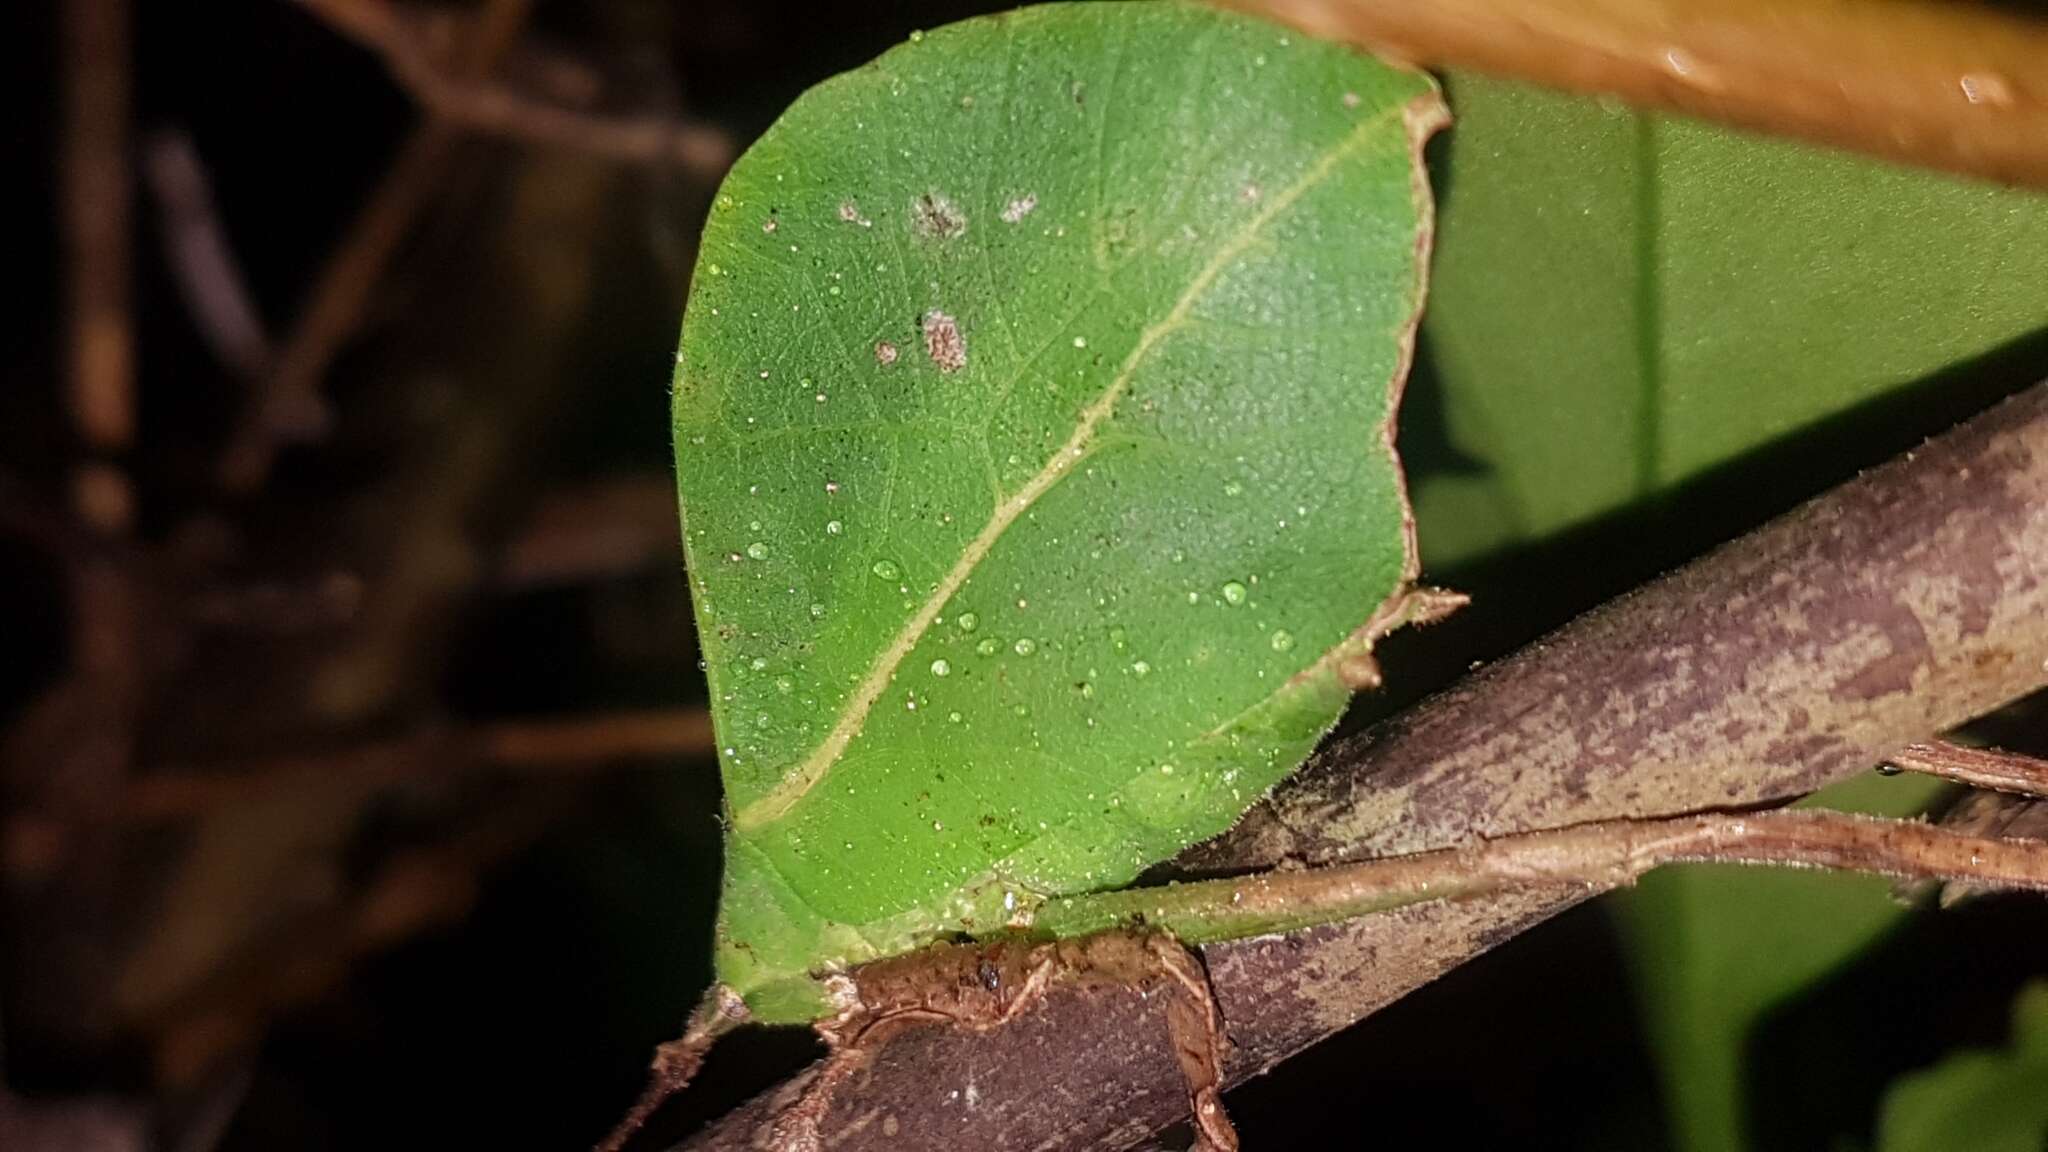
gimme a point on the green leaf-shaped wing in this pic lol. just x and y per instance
(1033, 430)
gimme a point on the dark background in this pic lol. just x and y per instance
(520, 1013)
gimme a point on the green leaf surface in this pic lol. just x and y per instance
(1033, 433)
(1622, 301)
(1981, 1101)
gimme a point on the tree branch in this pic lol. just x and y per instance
(1978, 767)
(414, 890)
(524, 747)
(599, 531)
(1888, 610)
(201, 261)
(97, 198)
(476, 104)
(288, 403)
(1603, 855)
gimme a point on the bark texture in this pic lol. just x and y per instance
(1890, 609)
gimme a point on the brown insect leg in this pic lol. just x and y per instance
(854, 1043)
(1194, 1025)
(675, 1063)
(1196, 1029)
(981, 987)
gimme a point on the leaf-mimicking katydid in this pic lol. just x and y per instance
(1034, 435)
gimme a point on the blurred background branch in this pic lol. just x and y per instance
(403, 42)
(270, 745)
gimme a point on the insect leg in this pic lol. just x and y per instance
(1195, 1027)
(676, 1062)
(854, 1043)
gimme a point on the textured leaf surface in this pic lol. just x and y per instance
(1033, 434)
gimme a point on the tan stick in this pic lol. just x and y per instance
(1954, 86)
(1599, 856)
(1978, 767)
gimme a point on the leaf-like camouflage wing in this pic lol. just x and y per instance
(1033, 434)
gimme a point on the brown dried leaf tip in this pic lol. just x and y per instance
(943, 342)
(934, 217)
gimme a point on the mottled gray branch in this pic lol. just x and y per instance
(1882, 613)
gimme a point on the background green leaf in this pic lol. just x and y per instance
(1031, 428)
(1714, 948)
(1622, 303)
(1981, 1101)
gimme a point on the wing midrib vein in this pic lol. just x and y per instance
(800, 780)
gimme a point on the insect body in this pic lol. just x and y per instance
(1090, 559)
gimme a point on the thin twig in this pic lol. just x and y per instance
(415, 890)
(530, 746)
(97, 199)
(289, 405)
(595, 533)
(69, 753)
(698, 148)
(201, 260)
(1989, 768)
(1599, 856)
(1986, 813)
